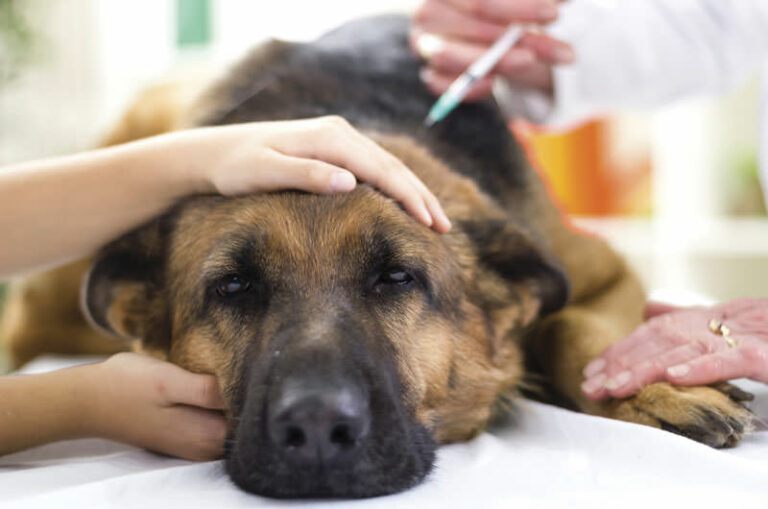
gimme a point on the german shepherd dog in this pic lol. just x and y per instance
(348, 339)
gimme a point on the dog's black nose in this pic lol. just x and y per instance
(318, 424)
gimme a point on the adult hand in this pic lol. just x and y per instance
(451, 34)
(158, 406)
(321, 155)
(678, 346)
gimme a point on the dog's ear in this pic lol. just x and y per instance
(124, 290)
(506, 250)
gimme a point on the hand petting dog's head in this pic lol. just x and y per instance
(348, 338)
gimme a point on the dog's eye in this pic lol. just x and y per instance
(395, 276)
(232, 284)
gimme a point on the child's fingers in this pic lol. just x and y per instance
(183, 387)
(312, 175)
(334, 141)
(190, 433)
(441, 222)
(389, 174)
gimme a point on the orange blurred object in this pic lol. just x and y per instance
(586, 172)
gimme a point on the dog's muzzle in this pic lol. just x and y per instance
(326, 423)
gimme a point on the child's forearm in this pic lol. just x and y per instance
(129, 398)
(64, 208)
(38, 409)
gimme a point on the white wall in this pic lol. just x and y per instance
(91, 57)
(240, 23)
(96, 54)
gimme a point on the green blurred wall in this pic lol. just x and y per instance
(193, 22)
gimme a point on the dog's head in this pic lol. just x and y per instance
(348, 339)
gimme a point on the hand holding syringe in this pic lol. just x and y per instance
(451, 35)
(478, 70)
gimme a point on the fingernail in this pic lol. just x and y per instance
(594, 367)
(619, 380)
(444, 220)
(428, 44)
(426, 217)
(564, 55)
(593, 384)
(679, 371)
(342, 181)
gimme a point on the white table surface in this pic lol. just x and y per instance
(549, 458)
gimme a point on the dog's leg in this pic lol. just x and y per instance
(42, 315)
(569, 339)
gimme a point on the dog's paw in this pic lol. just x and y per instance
(713, 415)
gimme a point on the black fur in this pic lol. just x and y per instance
(509, 252)
(396, 454)
(366, 73)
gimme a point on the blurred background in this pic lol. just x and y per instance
(674, 189)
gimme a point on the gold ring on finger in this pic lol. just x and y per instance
(721, 329)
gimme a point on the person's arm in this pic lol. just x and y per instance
(691, 346)
(634, 55)
(129, 398)
(451, 34)
(627, 54)
(61, 209)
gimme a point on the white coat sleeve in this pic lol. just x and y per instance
(644, 53)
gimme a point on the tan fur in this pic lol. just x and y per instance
(42, 315)
(443, 391)
(453, 399)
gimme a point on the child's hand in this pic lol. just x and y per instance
(158, 406)
(107, 192)
(319, 155)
